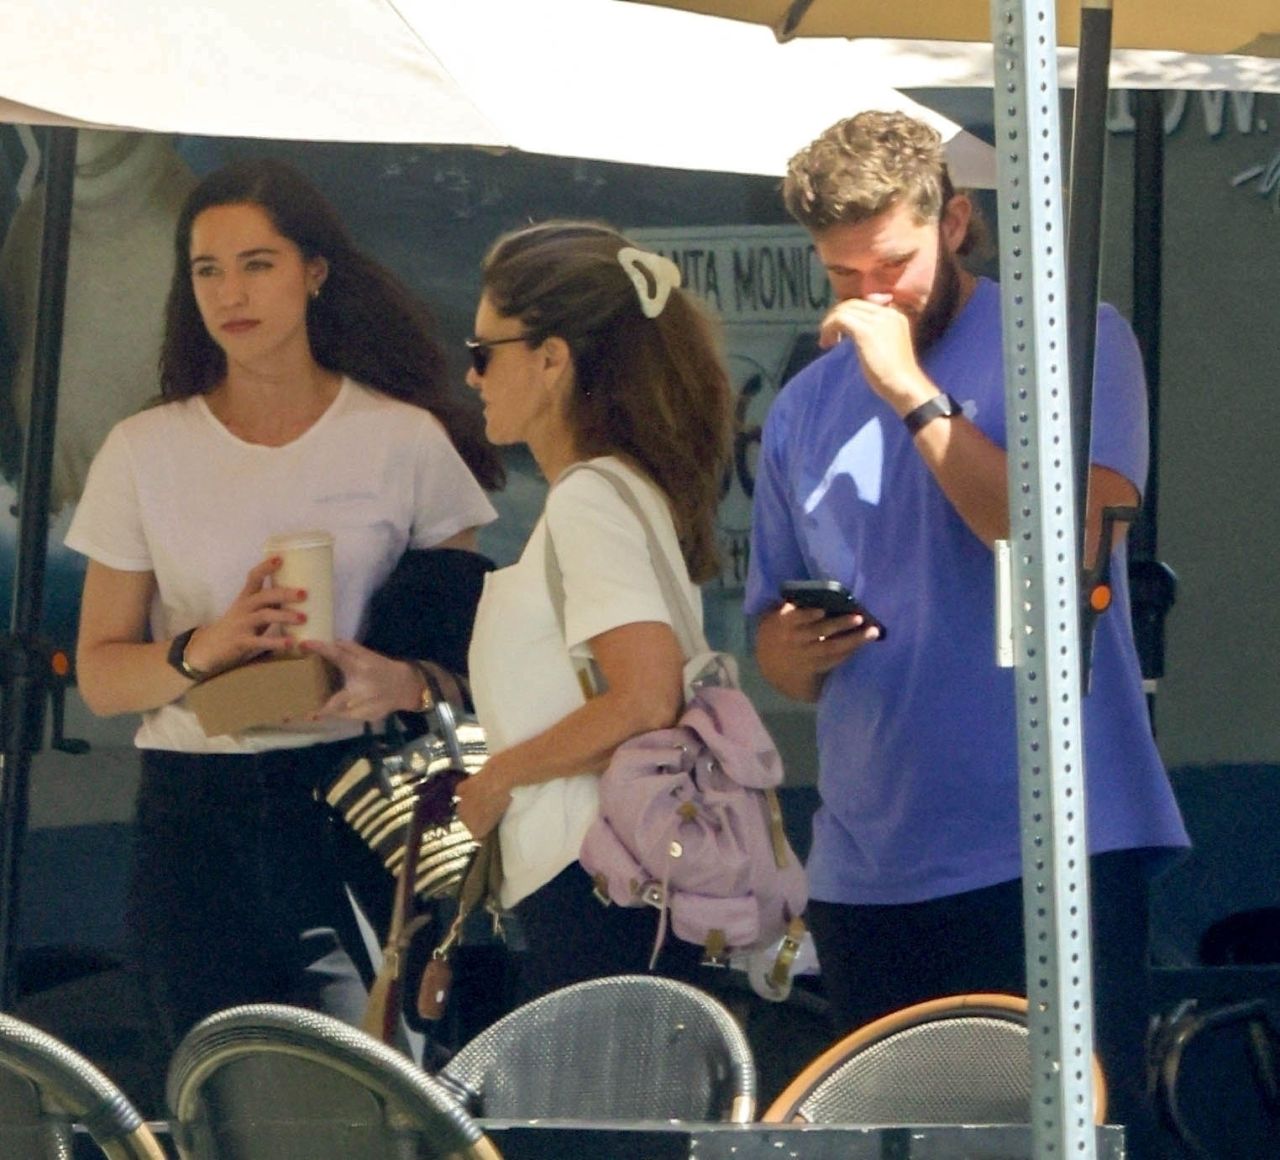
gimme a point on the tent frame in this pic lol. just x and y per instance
(27, 672)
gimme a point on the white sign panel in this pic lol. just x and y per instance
(768, 288)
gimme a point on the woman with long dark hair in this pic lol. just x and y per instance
(302, 389)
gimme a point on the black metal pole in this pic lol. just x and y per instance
(1148, 234)
(1084, 227)
(1084, 248)
(25, 683)
(1152, 584)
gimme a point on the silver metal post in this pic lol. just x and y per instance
(1045, 578)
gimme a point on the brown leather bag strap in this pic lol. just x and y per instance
(383, 1008)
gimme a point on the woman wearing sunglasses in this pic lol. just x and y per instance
(302, 388)
(586, 349)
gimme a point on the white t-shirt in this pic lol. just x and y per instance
(173, 492)
(524, 676)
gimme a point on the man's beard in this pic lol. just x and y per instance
(941, 306)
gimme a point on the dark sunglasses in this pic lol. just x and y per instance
(481, 350)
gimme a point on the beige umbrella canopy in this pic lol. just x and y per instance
(1250, 27)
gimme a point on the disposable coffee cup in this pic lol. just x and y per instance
(306, 562)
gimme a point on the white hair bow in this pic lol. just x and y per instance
(653, 275)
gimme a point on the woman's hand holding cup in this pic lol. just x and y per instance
(256, 622)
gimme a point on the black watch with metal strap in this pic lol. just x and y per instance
(178, 656)
(941, 406)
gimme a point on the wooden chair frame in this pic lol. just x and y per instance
(1013, 1008)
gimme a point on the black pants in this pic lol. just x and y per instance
(237, 893)
(572, 937)
(877, 959)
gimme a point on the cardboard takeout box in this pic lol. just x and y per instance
(263, 692)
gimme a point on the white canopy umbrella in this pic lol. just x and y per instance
(701, 94)
(244, 68)
(645, 86)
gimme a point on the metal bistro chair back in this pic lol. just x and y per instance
(964, 1059)
(628, 1047)
(46, 1088)
(270, 1082)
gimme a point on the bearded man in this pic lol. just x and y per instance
(883, 467)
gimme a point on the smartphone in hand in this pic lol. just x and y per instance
(832, 597)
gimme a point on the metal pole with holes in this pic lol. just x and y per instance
(1045, 577)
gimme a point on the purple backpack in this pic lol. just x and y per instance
(689, 816)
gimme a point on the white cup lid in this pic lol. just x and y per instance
(313, 539)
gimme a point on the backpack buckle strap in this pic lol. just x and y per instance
(715, 952)
(779, 976)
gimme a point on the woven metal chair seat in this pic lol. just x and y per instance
(46, 1088)
(629, 1047)
(959, 1060)
(269, 1082)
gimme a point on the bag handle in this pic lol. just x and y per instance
(691, 638)
(382, 1010)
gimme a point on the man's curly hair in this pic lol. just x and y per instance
(864, 165)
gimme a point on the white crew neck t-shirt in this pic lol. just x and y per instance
(524, 671)
(173, 492)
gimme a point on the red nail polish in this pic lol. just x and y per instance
(302, 618)
(302, 594)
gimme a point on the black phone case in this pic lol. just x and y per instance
(833, 598)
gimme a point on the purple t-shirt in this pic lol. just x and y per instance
(917, 734)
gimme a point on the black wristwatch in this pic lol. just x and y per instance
(939, 407)
(178, 656)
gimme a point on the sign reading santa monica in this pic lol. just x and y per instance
(748, 274)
